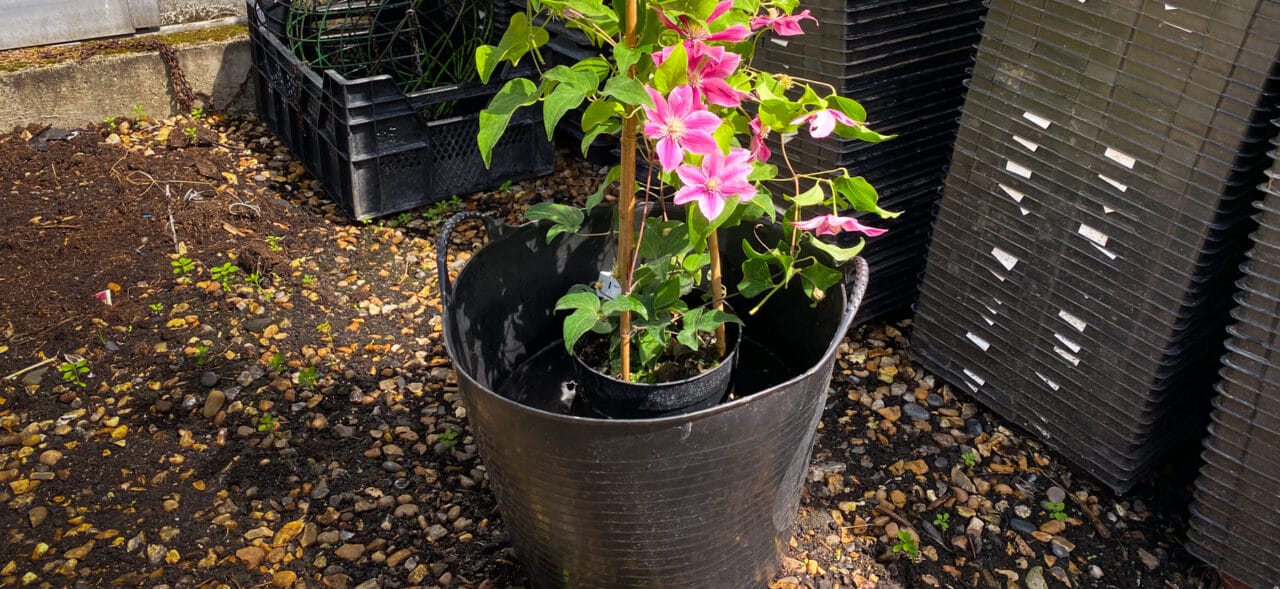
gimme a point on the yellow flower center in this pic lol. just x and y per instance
(713, 184)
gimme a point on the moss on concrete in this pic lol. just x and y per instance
(18, 59)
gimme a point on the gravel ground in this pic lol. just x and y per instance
(297, 422)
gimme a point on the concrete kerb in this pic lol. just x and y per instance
(74, 92)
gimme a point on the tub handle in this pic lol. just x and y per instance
(856, 285)
(492, 227)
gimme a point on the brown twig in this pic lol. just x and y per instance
(49, 360)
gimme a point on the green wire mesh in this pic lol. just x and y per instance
(421, 44)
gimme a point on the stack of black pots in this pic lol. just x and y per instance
(1095, 215)
(905, 61)
(1236, 519)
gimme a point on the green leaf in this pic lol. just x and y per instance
(598, 113)
(628, 91)
(812, 196)
(624, 303)
(650, 345)
(819, 278)
(697, 9)
(590, 136)
(667, 295)
(756, 278)
(860, 195)
(563, 99)
(861, 133)
(838, 254)
(625, 56)
(700, 228)
(777, 114)
(597, 66)
(597, 197)
(576, 325)
(663, 238)
(495, 117)
(579, 300)
(712, 319)
(564, 218)
(761, 172)
(695, 262)
(688, 336)
(584, 80)
(486, 61)
(673, 72)
(848, 107)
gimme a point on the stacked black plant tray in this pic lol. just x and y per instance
(1095, 214)
(905, 61)
(1235, 523)
(376, 149)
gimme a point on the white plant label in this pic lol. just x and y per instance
(608, 287)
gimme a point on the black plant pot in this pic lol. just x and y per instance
(612, 397)
(705, 499)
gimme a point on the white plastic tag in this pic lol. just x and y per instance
(608, 287)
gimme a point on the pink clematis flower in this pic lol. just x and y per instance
(720, 178)
(783, 25)
(759, 150)
(833, 224)
(708, 68)
(822, 122)
(679, 123)
(699, 32)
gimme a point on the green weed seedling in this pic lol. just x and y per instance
(190, 132)
(254, 279)
(139, 113)
(449, 438)
(506, 186)
(324, 328)
(110, 122)
(73, 369)
(197, 114)
(267, 423)
(278, 363)
(224, 273)
(1056, 511)
(307, 377)
(273, 243)
(308, 281)
(907, 545)
(402, 219)
(157, 307)
(440, 210)
(942, 521)
(183, 265)
(202, 354)
(970, 459)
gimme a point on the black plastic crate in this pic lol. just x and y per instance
(379, 151)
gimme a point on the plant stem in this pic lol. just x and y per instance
(717, 292)
(627, 204)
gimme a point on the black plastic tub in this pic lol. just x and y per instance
(705, 499)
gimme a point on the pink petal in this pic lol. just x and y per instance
(802, 119)
(738, 159)
(670, 25)
(789, 26)
(720, 93)
(721, 66)
(661, 110)
(669, 154)
(662, 56)
(842, 118)
(851, 224)
(699, 142)
(822, 124)
(809, 225)
(701, 121)
(652, 130)
(711, 206)
(681, 100)
(732, 34)
(760, 21)
(691, 176)
(720, 9)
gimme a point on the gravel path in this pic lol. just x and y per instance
(296, 423)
